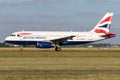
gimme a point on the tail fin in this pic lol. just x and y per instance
(103, 26)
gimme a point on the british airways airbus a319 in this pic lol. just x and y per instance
(49, 39)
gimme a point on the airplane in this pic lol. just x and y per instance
(56, 39)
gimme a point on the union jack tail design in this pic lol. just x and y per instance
(103, 27)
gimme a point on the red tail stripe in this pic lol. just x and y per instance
(100, 31)
(106, 20)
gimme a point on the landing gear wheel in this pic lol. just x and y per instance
(21, 48)
(57, 48)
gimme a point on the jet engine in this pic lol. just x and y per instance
(43, 45)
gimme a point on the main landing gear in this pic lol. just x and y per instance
(57, 48)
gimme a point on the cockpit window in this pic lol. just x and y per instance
(12, 35)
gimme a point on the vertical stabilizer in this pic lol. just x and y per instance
(103, 26)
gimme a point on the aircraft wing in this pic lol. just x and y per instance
(61, 40)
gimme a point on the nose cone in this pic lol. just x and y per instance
(6, 39)
(9, 40)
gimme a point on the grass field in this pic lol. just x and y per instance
(69, 64)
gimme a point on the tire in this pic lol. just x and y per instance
(57, 48)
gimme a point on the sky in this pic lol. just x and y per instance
(57, 15)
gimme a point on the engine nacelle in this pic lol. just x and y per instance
(44, 45)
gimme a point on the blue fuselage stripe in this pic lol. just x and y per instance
(35, 42)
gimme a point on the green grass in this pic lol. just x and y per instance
(61, 77)
(70, 64)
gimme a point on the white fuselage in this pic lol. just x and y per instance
(48, 36)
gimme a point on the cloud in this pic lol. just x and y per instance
(54, 1)
(97, 1)
(44, 15)
(31, 2)
(8, 4)
(16, 3)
